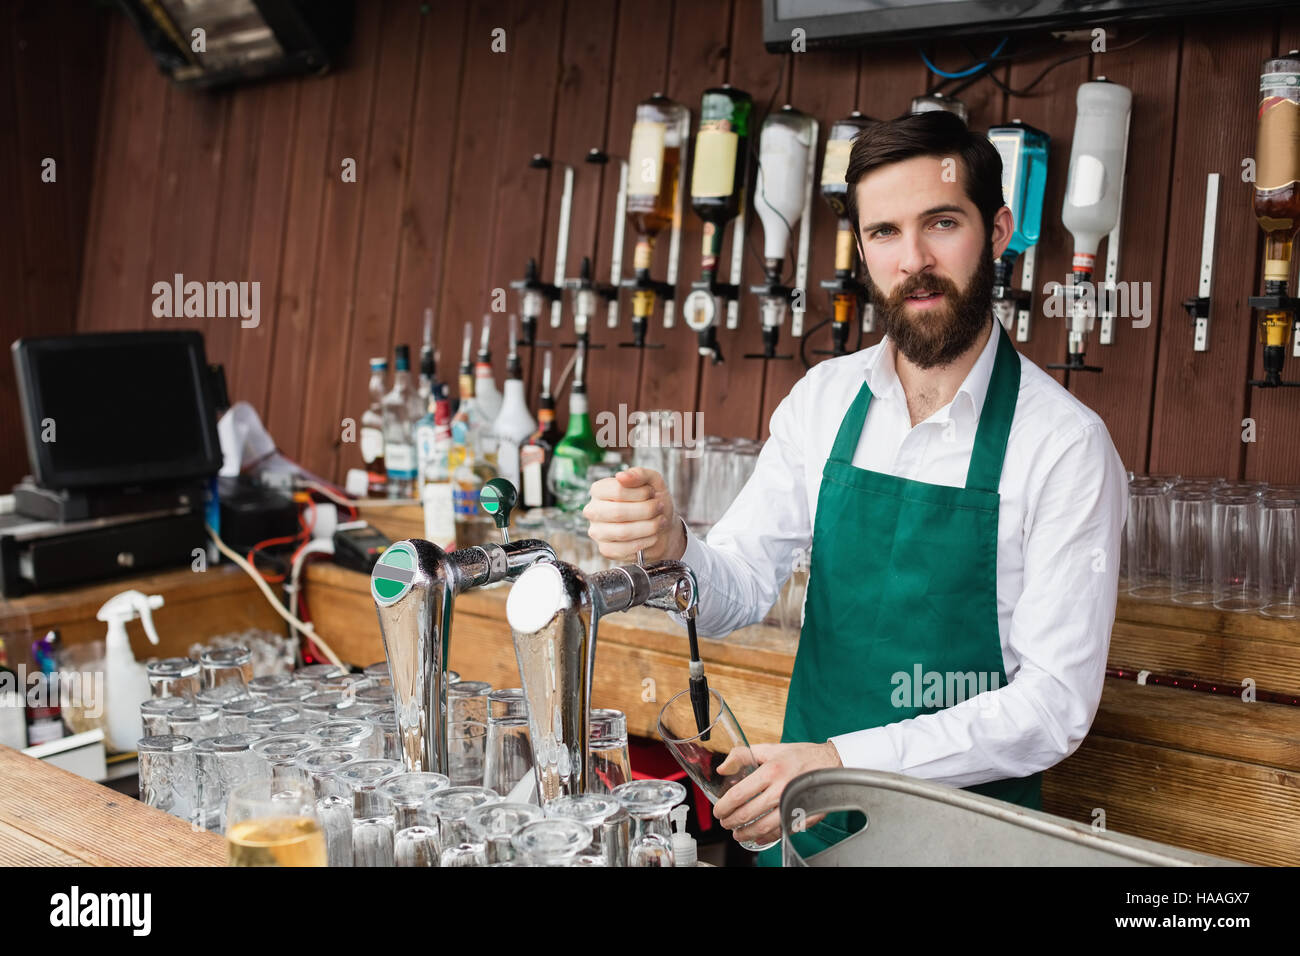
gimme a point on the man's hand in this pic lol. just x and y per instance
(633, 511)
(746, 809)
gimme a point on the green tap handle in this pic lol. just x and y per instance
(498, 498)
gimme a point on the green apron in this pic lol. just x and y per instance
(903, 584)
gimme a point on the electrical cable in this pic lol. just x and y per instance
(1024, 91)
(969, 71)
(278, 607)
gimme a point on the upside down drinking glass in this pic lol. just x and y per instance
(716, 758)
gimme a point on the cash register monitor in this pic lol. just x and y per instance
(109, 410)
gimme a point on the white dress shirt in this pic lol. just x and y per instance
(1063, 500)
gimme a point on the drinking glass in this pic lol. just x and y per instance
(1235, 542)
(416, 846)
(373, 835)
(363, 778)
(608, 762)
(1147, 538)
(509, 755)
(220, 765)
(335, 813)
(379, 696)
(1191, 511)
(268, 719)
(227, 665)
(153, 714)
(281, 753)
(348, 684)
(260, 687)
(648, 803)
(166, 771)
(326, 704)
(450, 807)
(407, 793)
(716, 758)
(379, 674)
(222, 694)
(597, 812)
(360, 736)
(467, 700)
(234, 714)
(195, 721)
(385, 723)
(311, 673)
(494, 823)
(322, 766)
(291, 693)
(555, 841)
(174, 677)
(466, 749)
(270, 824)
(1279, 556)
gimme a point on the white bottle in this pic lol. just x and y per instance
(515, 424)
(1095, 185)
(486, 393)
(126, 683)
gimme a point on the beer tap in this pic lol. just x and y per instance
(782, 197)
(554, 611)
(850, 297)
(414, 586)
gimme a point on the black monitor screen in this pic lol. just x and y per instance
(117, 409)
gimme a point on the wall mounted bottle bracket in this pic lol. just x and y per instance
(1199, 306)
(598, 157)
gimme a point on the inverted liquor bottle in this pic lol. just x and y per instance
(717, 174)
(1023, 150)
(1277, 196)
(659, 137)
(846, 290)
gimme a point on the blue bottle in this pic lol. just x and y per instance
(1024, 181)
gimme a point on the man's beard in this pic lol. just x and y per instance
(937, 336)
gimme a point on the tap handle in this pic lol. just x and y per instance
(498, 498)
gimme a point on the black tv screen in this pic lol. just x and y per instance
(117, 409)
(844, 23)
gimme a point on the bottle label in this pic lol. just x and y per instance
(508, 461)
(836, 162)
(372, 444)
(439, 513)
(1008, 147)
(1087, 181)
(44, 729)
(646, 159)
(465, 502)
(1279, 135)
(531, 460)
(844, 249)
(714, 172)
(400, 461)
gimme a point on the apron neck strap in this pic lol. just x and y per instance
(985, 469)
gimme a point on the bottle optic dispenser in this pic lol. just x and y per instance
(654, 200)
(783, 197)
(1024, 181)
(1092, 202)
(717, 196)
(1277, 207)
(849, 295)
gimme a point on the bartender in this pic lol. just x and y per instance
(964, 512)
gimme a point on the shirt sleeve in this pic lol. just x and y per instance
(1060, 633)
(744, 562)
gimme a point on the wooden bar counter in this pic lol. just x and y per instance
(49, 817)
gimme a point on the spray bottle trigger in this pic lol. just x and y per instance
(145, 606)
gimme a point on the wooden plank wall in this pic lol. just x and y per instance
(247, 185)
(51, 76)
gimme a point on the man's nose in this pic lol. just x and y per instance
(915, 255)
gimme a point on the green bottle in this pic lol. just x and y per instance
(578, 450)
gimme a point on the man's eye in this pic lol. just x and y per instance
(951, 222)
(880, 231)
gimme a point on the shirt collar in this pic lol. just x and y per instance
(882, 378)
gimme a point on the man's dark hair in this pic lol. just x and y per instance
(935, 133)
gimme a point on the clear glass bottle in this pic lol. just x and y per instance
(372, 429)
(399, 429)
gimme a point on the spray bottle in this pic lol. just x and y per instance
(126, 682)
